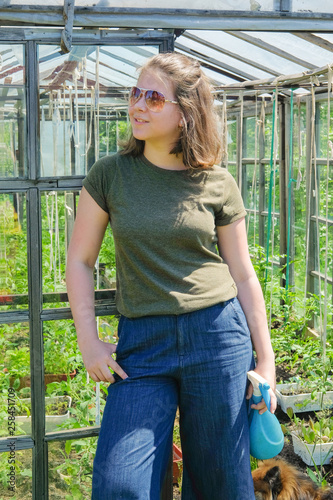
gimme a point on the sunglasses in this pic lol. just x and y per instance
(154, 100)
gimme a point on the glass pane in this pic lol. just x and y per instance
(16, 474)
(12, 112)
(13, 252)
(70, 468)
(324, 139)
(298, 237)
(298, 203)
(325, 250)
(232, 168)
(251, 186)
(252, 222)
(325, 191)
(272, 189)
(14, 377)
(83, 104)
(61, 353)
(58, 212)
(81, 400)
(274, 252)
(269, 136)
(251, 138)
(232, 140)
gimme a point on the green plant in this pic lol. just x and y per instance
(85, 404)
(17, 361)
(61, 353)
(72, 465)
(314, 433)
(254, 463)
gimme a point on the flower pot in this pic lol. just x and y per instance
(57, 377)
(319, 453)
(177, 464)
(48, 379)
(301, 402)
(51, 421)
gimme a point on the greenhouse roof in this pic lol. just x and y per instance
(236, 41)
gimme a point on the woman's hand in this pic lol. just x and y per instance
(269, 375)
(97, 358)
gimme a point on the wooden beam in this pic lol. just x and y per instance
(314, 40)
(66, 35)
(257, 42)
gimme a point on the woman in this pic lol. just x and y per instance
(190, 315)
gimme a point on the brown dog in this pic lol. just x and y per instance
(275, 479)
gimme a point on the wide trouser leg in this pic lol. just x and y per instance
(136, 433)
(217, 353)
(135, 441)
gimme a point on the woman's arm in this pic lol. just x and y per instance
(233, 248)
(89, 228)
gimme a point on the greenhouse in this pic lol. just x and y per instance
(66, 69)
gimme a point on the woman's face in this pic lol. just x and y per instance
(156, 128)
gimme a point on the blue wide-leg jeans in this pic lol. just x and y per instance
(195, 361)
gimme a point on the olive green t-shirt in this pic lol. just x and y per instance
(164, 228)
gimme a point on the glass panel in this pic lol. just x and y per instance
(70, 468)
(298, 237)
(13, 252)
(81, 400)
(232, 140)
(250, 143)
(83, 104)
(298, 200)
(252, 222)
(61, 354)
(251, 201)
(14, 377)
(16, 474)
(12, 112)
(325, 251)
(251, 186)
(325, 188)
(324, 140)
(268, 136)
(273, 271)
(275, 225)
(326, 302)
(58, 212)
(272, 189)
(309, 6)
(232, 168)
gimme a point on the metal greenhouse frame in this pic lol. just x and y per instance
(240, 78)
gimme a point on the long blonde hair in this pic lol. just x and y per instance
(199, 141)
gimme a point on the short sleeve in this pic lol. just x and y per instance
(95, 184)
(232, 207)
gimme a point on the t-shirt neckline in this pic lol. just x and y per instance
(161, 169)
